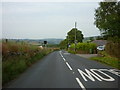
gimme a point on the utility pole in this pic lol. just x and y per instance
(75, 36)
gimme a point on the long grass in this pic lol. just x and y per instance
(17, 57)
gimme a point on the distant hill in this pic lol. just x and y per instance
(39, 41)
(88, 38)
(52, 41)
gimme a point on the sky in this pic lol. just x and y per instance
(38, 20)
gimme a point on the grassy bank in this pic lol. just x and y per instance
(107, 59)
(17, 57)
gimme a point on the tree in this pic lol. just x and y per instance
(107, 18)
(63, 44)
(91, 39)
(71, 36)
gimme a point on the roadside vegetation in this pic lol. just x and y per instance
(81, 48)
(111, 54)
(17, 57)
(105, 58)
(107, 20)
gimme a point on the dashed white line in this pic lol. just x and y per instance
(68, 66)
(80, 84)
(77, 79)
(64, 59)
(61, 54)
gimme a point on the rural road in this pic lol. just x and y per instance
(64, 70)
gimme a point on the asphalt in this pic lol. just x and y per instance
(64, 70)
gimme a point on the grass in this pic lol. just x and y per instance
(107, 59)
(17, 57)
(16, 65)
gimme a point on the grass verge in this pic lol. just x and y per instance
(16, 58)
(107, 59)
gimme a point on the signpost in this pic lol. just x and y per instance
(45, 44)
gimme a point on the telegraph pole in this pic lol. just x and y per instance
(75, 36)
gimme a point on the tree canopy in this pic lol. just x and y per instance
(63, 44)
(107, 18)
(71, 36)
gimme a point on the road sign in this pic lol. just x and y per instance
(45, 42)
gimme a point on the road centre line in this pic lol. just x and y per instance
(80, 84)
(77, 79)
(68, 66)
(64, 59)
(61, 54)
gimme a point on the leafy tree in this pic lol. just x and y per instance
(71, 36)
(63, 44)
(107, 18)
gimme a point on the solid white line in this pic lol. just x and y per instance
(68, 66)
(80, 84)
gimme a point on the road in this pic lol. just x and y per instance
(64, 70)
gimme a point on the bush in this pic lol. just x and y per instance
(113, 49)
(71, 51)
(113, 46)
(84, 47)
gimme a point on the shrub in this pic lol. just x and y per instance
(71, 51)
(113, 49)
(84, 47)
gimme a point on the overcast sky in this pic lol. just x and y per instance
(37, 20)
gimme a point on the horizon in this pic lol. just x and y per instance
(44, 38)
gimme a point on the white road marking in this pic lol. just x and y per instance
(88, 74)
(68, 66)
(62, 56)
(113, 71)
(64, 59)
(109, 78)
(80, 84)
(92, 74)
